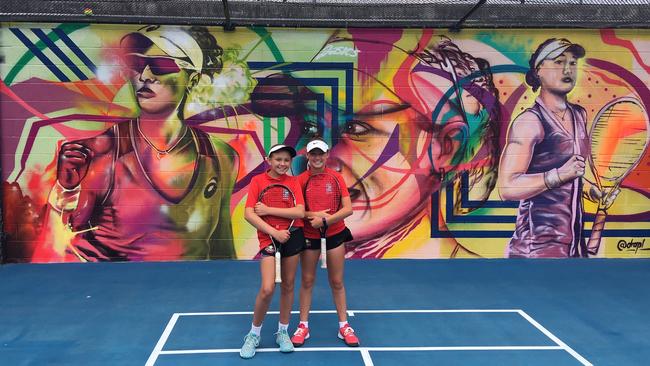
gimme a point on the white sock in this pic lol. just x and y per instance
(306, 324)
(341, 324)
(282, 326)
(256, 330)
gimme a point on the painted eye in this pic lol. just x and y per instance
(357, 128)
(211, 188)
(310, 129)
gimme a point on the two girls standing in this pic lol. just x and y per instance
(293, 243)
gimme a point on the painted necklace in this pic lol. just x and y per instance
(160, 153)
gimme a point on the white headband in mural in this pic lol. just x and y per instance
(554, 49)
(173, 41)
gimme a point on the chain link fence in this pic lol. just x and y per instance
(340, 13)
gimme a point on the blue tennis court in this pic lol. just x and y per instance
(418, 312)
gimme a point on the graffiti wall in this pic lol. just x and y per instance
(131, 143)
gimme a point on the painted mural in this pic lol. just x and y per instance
(137, 143)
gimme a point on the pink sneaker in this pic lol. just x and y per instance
(299, 337)
(346, 333)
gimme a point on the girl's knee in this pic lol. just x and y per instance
(336, 284)
(266, 292)
(287, 286)
(307, 282)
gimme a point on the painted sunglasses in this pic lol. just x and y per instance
(159, 65)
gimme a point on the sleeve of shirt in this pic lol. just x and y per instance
(297, 191)
(253, 192)
(342, 185)
(302, 180)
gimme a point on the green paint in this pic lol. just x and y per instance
(509, 45)
(267, 133)
(280, 129)
(28, 55)
(266, 36)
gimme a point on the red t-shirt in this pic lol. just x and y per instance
(261, 181)
(334, 228)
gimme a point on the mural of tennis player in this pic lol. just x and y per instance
(152, 188)
(544, 159)
(423, 112)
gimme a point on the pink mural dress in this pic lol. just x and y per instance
(550, 224)
(135, 220)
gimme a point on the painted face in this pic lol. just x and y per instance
(317, 159)
(391, 153)
(559, 75)
(382, 155)
(280, 162)
(158, 80)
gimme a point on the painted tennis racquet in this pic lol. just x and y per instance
(277, 196)
(322, 192)
(619, 137)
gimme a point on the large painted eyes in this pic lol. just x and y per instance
(157, 65)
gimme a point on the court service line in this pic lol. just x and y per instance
(370, 349)
(555, 339)
(161, 342)
(352, 312)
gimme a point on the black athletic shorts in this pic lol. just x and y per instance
(293, 246)
(333, 241)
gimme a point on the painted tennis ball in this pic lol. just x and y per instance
(88, 11)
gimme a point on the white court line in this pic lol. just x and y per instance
(370, 349)
(367, 360)
(161, 342)
(555, 339)
(365, 351)
(352, 312)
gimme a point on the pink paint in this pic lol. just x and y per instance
(374, 46)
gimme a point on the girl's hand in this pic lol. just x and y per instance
(281, 236)
(573, 168)
(606, 197)
(261, 209)
(73, 163)
(317, 221)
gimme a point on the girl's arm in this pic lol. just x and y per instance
(297, 212)
(258, 223)
(341, 214)
(514, 184)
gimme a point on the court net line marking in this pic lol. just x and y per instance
(365, 351)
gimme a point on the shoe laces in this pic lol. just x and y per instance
(250, 338)
(347, 330)
(282, 333)
(301, 331)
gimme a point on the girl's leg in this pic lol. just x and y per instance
(262, 302)
(335, 263)
(289, 266)
(308, 263)
(265, 295)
